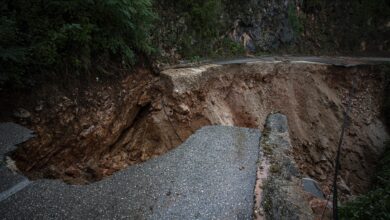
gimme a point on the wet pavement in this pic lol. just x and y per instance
(11, 182)
(210, 176)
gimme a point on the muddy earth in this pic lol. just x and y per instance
(90, 134)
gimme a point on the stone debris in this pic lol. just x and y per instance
(22, 113)
(311, 186)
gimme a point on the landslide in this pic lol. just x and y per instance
(147, 115)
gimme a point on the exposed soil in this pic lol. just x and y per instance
(84, 138)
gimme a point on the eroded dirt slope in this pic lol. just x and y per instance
(149, 115)
(312, 96)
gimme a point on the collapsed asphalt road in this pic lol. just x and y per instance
(210, 176)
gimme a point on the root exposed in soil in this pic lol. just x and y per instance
(148, 115)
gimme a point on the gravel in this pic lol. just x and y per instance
(210, 176)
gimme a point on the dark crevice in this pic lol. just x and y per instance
(142, 113)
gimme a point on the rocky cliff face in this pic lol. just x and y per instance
(260, 25)
(255, 25)
(231, 27)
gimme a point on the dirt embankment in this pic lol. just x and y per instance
(148, 115)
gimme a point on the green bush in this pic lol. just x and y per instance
(228, 47)
(373, 205)
(42, 37)
(203, 19)
(295, 21)
(376, 203)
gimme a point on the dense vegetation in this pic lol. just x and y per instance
(40, 39)
(43, 37)
(350, 26)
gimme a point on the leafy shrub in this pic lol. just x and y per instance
(39, 37)
(228, 47)
(203, 19)
(295, 21)
(376, 203)
(373, 205)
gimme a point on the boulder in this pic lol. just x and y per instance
(311, 186)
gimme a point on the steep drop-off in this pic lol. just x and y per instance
(107, 129)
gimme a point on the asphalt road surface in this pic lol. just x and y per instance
(210, 176)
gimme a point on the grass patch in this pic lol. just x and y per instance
(267, 149)
(275, 168)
